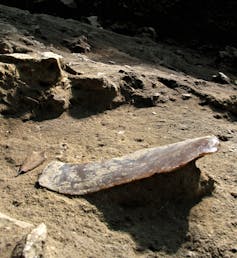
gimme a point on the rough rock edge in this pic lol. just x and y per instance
(32, 245)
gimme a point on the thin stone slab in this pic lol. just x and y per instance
(79, 179)
(33, 160)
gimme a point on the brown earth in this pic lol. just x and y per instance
(141, 94)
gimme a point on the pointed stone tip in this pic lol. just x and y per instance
(213, 144)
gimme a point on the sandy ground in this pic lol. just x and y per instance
(86, 227)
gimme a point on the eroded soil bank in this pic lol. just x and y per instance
(212, 23)
(82, 94)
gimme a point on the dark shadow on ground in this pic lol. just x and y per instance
(80, 112)
(155, 210)
(108, 46)
(220, 112)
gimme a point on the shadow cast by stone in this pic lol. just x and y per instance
(154, 210)
(149, 192)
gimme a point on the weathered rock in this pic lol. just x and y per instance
(133, 81)
(141, 91)
(147, 32)
(9, 76)
(78, 45)
(132, 88)
(186, 96)
(5, 47)
(8, 47)
(227, 103)
(33, 245)
(32, 161)
(93, 92)
(79, 179)
(32, 83)
(7, 28)
(36, 69)
(221, 78)
(11, 231)
(212, 94)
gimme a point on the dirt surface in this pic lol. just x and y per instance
(153, 94)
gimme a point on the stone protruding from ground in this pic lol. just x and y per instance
(79, 179)
(32, 83)
(35, 86)
(42, 68)
(11, 231)
(93, 91)
(33, 245)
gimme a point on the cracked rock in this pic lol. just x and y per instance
(33, 245)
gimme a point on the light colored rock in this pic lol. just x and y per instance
(35, 242)
(186, 96)
(49, 54)
(33, 160)
(40, 67)
(221, 78)
(33, 245)
(30, 84)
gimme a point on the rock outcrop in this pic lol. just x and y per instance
(40, 82)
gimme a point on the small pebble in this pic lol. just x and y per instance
(186, 96)
(234, 195)
(121, 132)
(221, 78)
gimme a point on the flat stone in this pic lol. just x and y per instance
(221, 78)
(186, 96)
(79, 179)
